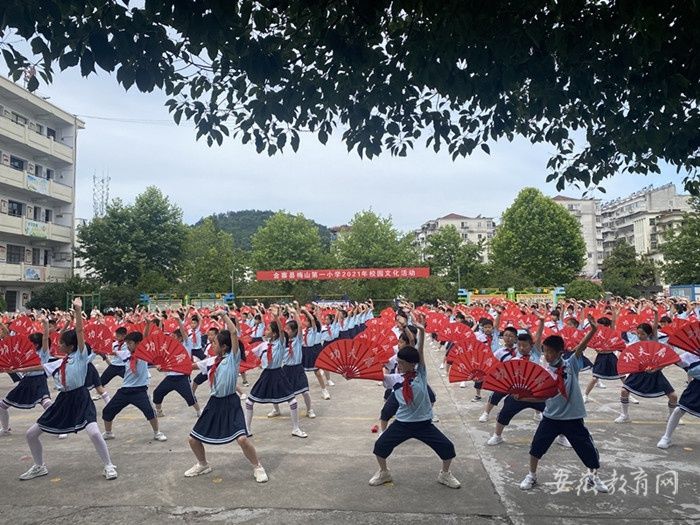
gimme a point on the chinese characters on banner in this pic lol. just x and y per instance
(345, 273)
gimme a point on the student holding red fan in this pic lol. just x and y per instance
(134, 391)
(312, 347)
(222, 420)
(414, 417)
(690, 398)
(73, 409)
(564, 413)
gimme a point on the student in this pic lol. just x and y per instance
(489, 334)
(222, 419)
(196, 338)
(503, 354)
(176, 381)
(202, 377)
(116, 365)
(311, 348)
(690, 398)
(73, 409)
(273, 386)
(134, 391)
(413, 417)
(564, 413)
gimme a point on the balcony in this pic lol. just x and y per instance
(36, 229)
(33, 273)
(31, 183)
(22, 134)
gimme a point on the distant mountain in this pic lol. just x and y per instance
(244, 223)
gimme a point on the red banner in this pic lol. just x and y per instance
(345, 273)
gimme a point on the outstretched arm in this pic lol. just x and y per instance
(584, 342)
(78, 306)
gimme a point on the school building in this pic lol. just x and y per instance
(37, 193)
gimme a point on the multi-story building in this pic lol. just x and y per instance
(478, 230)
(37, 193)
(587, 212)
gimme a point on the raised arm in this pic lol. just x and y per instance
(45, 334)
(540, 329)
(593, 328)
(231, 327)
(78, 307)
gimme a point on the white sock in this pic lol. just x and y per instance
(625, 405)
(294, 414)
(307, 400)
(105, 397)
(248, 414)
(672, 423)
(35, 444)
(46, 403)
(4, 416)
(671, 408)
(98, 441)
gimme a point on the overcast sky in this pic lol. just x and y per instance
(325, 183)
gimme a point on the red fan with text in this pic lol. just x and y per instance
(572, 336)
(352, 360)
(472, 360)
(521, 377)
(627, 322)
(99, 337)
(53, 344)
(686, 337)
(16, 351)
(22, 325)
(165, 352)
(606, 339)
(171, 325)
(645, 356)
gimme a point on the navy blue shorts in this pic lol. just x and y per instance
(125, 396)
(180, 384)
(425, 431)
(111, 372)
(574, 430)
(512, 407)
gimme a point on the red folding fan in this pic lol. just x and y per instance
(644, 356)
(627, 322)
(521, 377)
(165, 352)
(251, 361)
(54, 343)
(99, 337)
(687, 337)
(16, 351)
(22, 325)
(606, 339)
(572, 336)
(351, 360)
(472, 360)
(171, 325)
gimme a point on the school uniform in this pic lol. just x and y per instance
(32, 388)
(273, 385)
(310, 349)
(92, 376)
(493, 342)
(343, 331)
(414, 420)
(690, 398)
(564, 415)
(605, 366)
(203, 376)
(222, 419)
(176, 381)
(195, 337)
(511, 406)
(502, 354)
(257, 332)
(116, 364)
(73, 408)
(293, 368)
(646, 384)
(134, 391)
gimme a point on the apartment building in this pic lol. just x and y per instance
(478, 230)
(37, 193)
(587, 213)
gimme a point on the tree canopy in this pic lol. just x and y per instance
(681, 249)
(459, 262)
(610, 86)
(625, 274)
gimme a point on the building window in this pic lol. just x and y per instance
(15, 254)
(19, 119)
(14, 208)
(38, 170)
(17, 163)
(48, 215)
(49, 174)
(36, 256)
(37, 213)
(51, 133)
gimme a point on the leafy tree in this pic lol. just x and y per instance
(538, 239)
(625, 274)
(286, 242)
(584, 289)
(457, 261)
(53, 295)
(681, 249)
(131, 240)
(393, 73)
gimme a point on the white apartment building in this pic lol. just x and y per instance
(587, 212)
(37, 193)
(478, 230)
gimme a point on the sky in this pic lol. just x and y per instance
(325, 183)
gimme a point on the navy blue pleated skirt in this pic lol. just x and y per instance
(605, 366)
(309, 354)
(297, 378)
(690, 398)
(272, 386)
(92, 378)
(30, 391)
(221, 422)
(72, 411)
(646, 384)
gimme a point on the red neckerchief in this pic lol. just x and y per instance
(194, 337)
(406, 388)
(63, 371)
(290, 349)
(306, 335)
(269, 353)
(561, 385)
(212, 372)
(132, 363)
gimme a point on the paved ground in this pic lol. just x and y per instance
(324, 478)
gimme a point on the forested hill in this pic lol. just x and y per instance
(244, 223)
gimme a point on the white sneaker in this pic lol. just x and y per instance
(622, 419)
(110, 472)
(435, 418)
(585, 398)
(159, 436)
(260, 474)
(484, 417)
(34, 472)
(633, 400)
(310, 414)
(447, 479)
(5, 432)
(299, 433)
(538, 416)
(593, 481)
(494, 440)
(664, 442)
(600, 384)
(63, 436)
(159, 413)
(274, 413)
(380, 478)
(96, 397)
(463, 384)
(325, 394)
(330, 382)
(107, 435)
(442, 366)
(562, 441)
(197, 470)
(529, 482)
